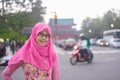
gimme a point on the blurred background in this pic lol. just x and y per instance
(99, 21)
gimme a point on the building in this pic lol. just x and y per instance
(27, 30)
(62, 28)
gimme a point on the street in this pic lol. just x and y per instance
(105, 66)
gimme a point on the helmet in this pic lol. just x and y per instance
(82, 36)
(1, 40)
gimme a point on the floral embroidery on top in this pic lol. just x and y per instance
(33, 73)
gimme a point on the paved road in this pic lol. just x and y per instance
(104, 67)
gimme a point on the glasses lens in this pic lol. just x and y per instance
(44, 35)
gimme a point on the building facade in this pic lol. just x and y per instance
(62, 28)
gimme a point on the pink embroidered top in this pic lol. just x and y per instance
(42, 59)
(32, 73)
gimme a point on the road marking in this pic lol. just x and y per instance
(106, 52)
(110, 59)
(98, 52)
(63, 52)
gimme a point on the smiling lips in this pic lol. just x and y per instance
(43, 41)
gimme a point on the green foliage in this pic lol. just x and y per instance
(16, 21)
(11, 34)
(100, 24)
(11, 24)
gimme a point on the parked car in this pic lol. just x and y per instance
(93, 41)
(69, 43)
(115, 42)
(59, 42)
(102, 42)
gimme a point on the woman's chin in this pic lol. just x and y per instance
(42, 44)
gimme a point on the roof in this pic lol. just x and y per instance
(61, 22)
(27, 30)
(112, 30)
(68, 21)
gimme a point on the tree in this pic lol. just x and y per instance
(28, 12)
(100, 24)
(37, 12)
(33, 9)
(109, 18)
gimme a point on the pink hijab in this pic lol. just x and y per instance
(42, 57)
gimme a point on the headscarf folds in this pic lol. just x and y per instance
(42, 57)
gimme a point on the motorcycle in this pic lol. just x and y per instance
(4, 57)
(4, 60)
(76, 57)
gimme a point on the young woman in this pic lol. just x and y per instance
(37, 56)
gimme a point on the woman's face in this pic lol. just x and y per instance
(42, 38)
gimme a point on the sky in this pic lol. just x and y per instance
(79, 9)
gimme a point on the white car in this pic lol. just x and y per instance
(93, 41)
(69, 43)
(102, 42)
(115, 43)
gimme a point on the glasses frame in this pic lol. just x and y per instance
(41, 34)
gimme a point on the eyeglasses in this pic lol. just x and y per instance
(41, 34)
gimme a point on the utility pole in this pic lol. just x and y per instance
(55, 22)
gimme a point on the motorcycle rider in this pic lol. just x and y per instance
(84, 45)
